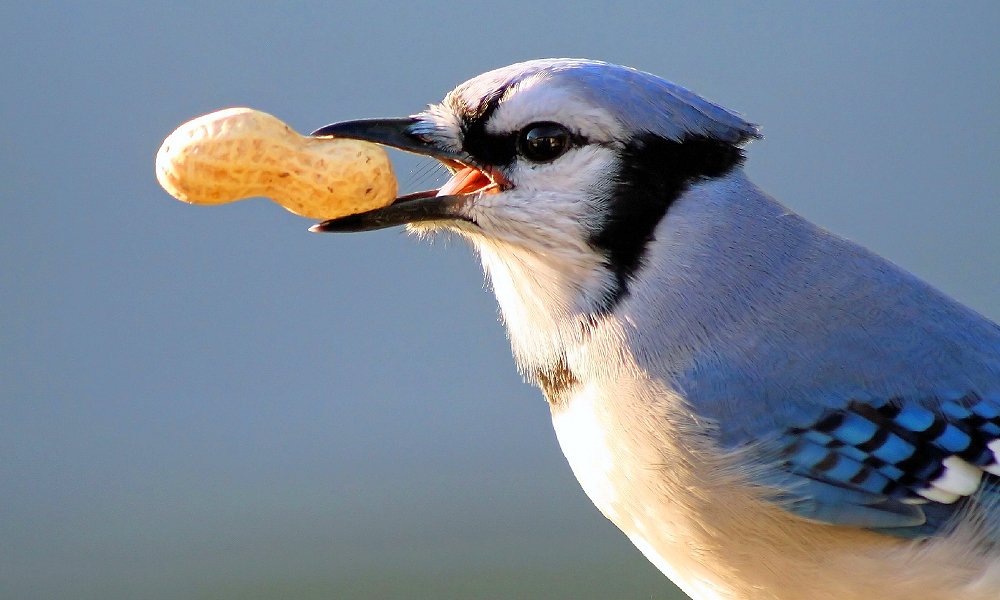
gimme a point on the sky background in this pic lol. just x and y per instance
(210, 402)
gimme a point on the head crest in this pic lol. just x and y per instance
(641, 102)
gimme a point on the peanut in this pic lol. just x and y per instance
(240, 153)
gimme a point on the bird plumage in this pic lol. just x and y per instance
(765, 409)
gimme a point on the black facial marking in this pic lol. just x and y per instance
(489, 149)
(486, 148)
(654, 172)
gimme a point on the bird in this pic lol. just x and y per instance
(765, 409)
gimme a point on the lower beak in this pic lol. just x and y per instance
(411, 208)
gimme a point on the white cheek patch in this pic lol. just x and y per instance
(534, 240)
(551, 207)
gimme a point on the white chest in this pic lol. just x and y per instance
(582, 430)
(627, 469)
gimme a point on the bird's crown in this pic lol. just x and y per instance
(638, 101)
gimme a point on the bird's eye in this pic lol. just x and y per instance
(543, 142)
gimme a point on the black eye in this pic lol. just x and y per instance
(543, 142)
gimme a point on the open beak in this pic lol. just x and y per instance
(445, 204)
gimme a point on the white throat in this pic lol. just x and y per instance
(544, 298)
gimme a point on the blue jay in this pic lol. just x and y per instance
(766, 410)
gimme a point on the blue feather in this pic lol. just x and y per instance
(867, 463)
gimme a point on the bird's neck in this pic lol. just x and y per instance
(544, 298)
(551, 302)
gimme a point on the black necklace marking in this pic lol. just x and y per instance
(655, 171)
(486, 148)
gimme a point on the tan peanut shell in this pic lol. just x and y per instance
(239, 153)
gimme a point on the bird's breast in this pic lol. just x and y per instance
(624, 458)
(582, 428)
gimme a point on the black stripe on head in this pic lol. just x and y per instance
(486, 148)
(654, 172)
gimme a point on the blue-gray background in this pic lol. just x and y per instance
(213, 403)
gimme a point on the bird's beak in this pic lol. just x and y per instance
(445, 204)
(397, 133)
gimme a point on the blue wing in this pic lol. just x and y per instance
(904, 466)
(864, 396)
(894, 464)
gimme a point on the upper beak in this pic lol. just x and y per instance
(412, 208)
(397, 133)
